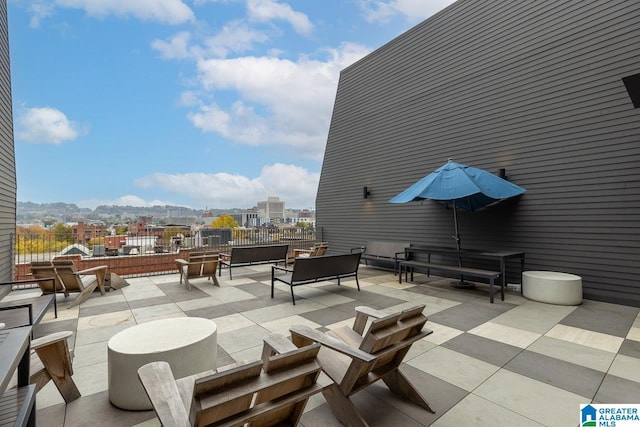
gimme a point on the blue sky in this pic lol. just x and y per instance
(198, 103)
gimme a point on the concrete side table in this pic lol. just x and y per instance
(188, 344)
(552, 287)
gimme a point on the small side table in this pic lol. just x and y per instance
(188, 344)
(552, 287)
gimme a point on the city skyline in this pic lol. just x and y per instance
(188, 103)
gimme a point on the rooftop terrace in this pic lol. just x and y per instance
(516, 362)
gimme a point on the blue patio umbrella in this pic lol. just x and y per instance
(460, 186)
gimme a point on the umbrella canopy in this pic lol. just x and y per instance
(463, 187)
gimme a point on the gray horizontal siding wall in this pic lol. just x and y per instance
(532, 87)
(7, 158)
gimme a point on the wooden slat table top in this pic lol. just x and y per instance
(16, 405)
(20, 317)
(13, 343)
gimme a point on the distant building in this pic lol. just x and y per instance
(272, 208)
(83, 233)
(248, 218)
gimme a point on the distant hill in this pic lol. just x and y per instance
(29, 212)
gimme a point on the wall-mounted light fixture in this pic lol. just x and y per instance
(502, 173)
(366, 193)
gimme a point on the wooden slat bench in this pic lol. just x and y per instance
(317, 269)
(383, 251)
(244, 256)
(410, 265)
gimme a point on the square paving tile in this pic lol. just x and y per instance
(615, 390)
(150, 302)
(469, 315)
(582, 355)
(626, 367)
(327, 316)
(481, 412)
(610, 319)
(532, 399)
(558, 373)
(103, 308)
(586, 337)
(456, 368)
(630, 348)
(484, 349)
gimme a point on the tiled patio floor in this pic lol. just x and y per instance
(515, 363)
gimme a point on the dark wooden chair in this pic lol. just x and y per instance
(354, 359)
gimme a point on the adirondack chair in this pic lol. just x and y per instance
(51, 360)
(53, 363)
(84, 282)
(318, 249)
(354, 359)
(46, 270)
(200, 264)
(268, 392)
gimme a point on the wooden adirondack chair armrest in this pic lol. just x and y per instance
(98, 269)
(278, 343)
(362, 315)
(301, 334)
(50, 339)
(181, 262)
(162, 390)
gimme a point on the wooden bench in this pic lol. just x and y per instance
(317, 269)
(383, 251)
(268, 392)
(411, 265)
(200, 264)
(243, 256)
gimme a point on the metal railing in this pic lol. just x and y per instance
(131, 256)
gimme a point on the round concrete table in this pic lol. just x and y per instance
(188, 344)
(552, 287)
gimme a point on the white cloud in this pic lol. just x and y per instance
(293, 184)
(281, 101)
(239, 124)
(177, 47)
(412, 10)
(39, 10)
(268, 10)
(128, 200)
(46, 125)
(234, 37)
(165, 11)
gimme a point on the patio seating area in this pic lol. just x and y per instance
(514, 362)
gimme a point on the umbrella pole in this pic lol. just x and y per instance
(461, 283)
(455, 225)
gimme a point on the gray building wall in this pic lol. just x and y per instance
(534, 87)
(7, 158)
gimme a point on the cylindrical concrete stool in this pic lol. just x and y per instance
(552, 287)
(188, 344)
